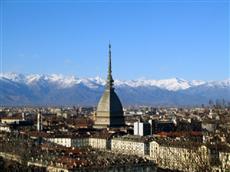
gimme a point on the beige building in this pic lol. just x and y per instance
(98, 143)
(68, 141)
(182, 156)
(10, 120)
(5, 127)
(132, 145)
(224, 157)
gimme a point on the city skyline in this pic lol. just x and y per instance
(150, 39)
(106, 85)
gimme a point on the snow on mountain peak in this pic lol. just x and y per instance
(172, 84)
(61, 81)
(13, 77)
(32, 78)
(223, 83)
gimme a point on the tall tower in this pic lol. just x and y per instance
(39, 122)
(109, 110)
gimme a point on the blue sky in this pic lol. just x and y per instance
(150, 39)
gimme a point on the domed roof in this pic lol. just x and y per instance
(111, 103)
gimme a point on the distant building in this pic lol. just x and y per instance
(224, 157)
(39, 122)
(183, 156)
(109, 110)
(5, 127)
(209, 126)
(131, 145)
(99, 143)
(16, 121)
(164, 126)
(11, 120)
(142, 128)
(69, 141)
(193, 125)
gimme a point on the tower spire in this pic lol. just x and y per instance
(109, 77)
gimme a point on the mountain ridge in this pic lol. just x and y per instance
(57, 89)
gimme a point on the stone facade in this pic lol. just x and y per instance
(98, 143)
(180, 157)
(70, 142)
(225, 161)
(130, 147)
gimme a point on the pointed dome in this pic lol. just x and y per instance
(109, 102)
(109, 109)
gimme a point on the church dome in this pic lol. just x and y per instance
(110, 102)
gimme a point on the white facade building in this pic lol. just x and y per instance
(5, 127)
(142, 128)
(98, 143)
(179, 157)
(70, 142)
(225, 160)
(129, 145)
(39, 122)
(10, 120)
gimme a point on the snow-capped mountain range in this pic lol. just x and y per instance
(56, 89)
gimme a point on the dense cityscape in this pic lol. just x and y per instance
(110, 137)
(114, 86)
(63, 139)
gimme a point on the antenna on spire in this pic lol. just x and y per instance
(109, 45)
(110, 78)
